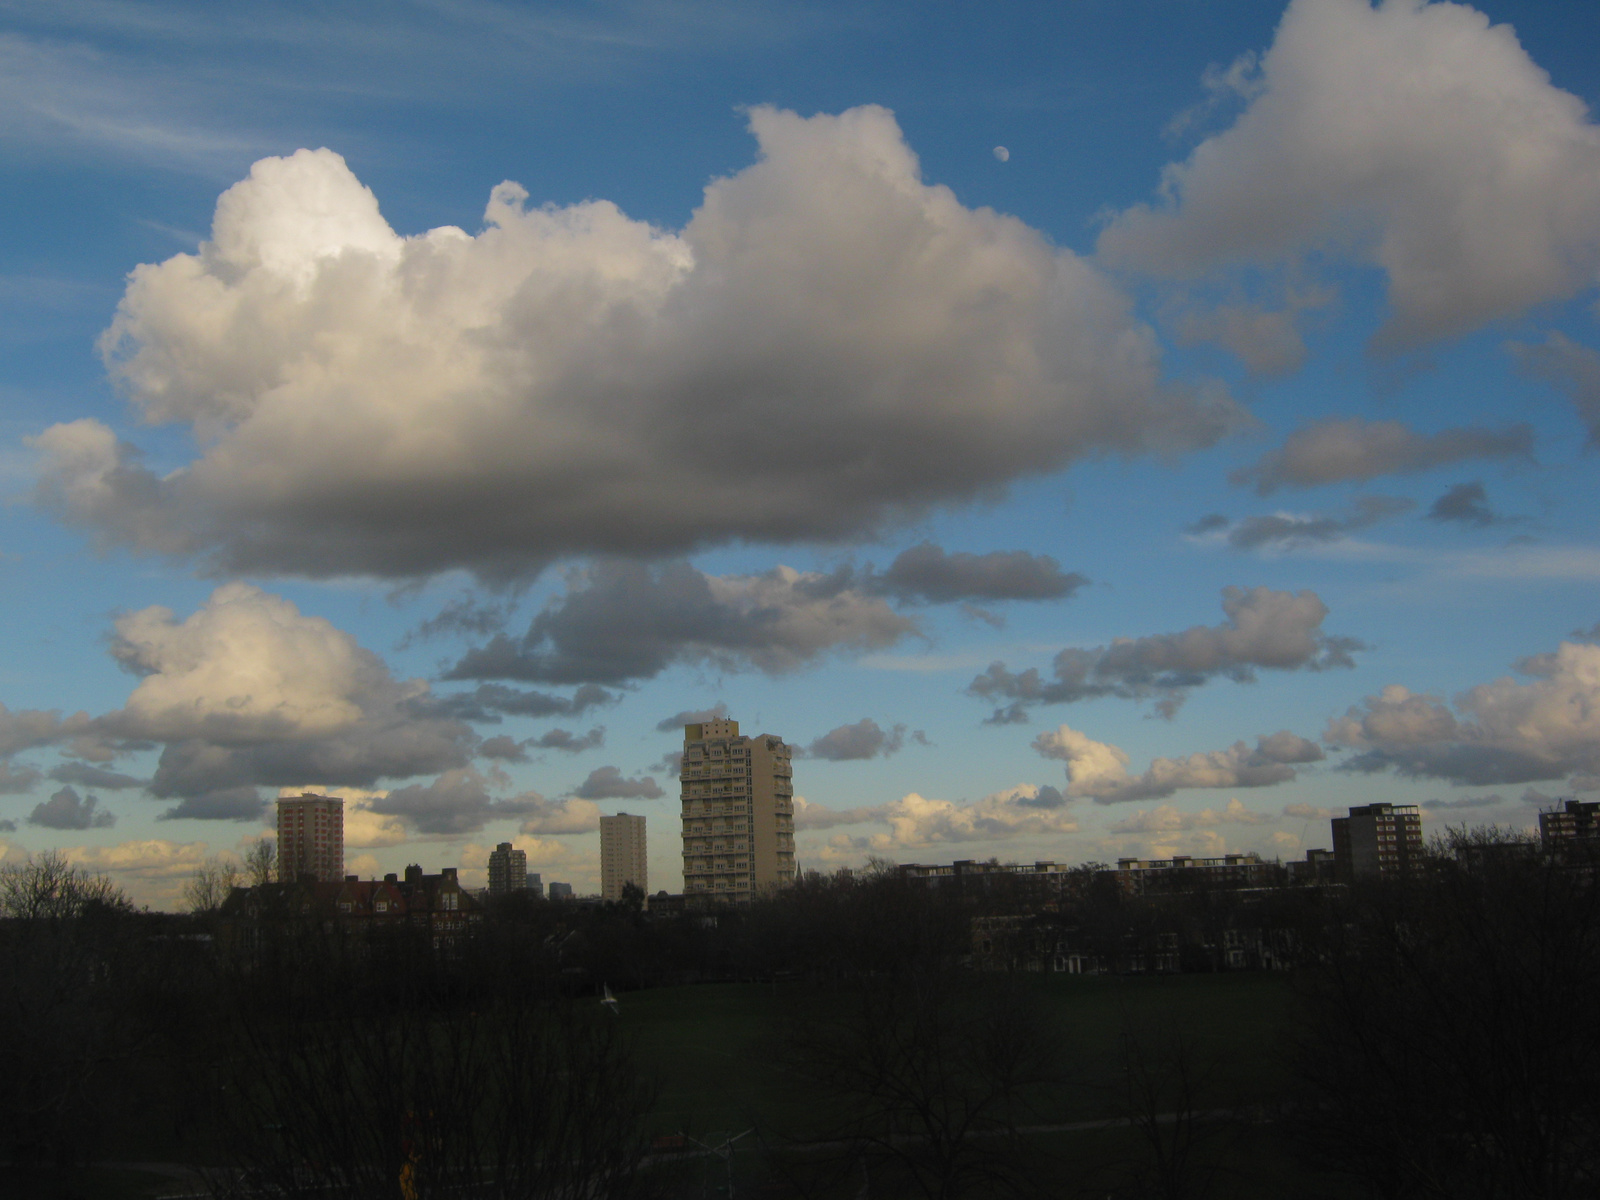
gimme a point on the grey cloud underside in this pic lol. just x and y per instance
(1570, 368)
(1465, 504)
(15, 780)
(1341, 451)
(569, 742)
(691, 716)
(622, 621)
(502, 748)
(928, 574)
(1265, 630)
(458, 802)
(241, 803)
(66, 810)
(1286, 532)
(829, 348)
(1466, 803)
(87, 775)
(489, 702)
(865, 739)
(608, 783)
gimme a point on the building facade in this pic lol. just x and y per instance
(1574, 822)
(1182, 872)
(738, 814)
(310, 838)
(508, 869)
(1377, 840)
(622, 855)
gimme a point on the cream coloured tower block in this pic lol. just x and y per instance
(738, 814)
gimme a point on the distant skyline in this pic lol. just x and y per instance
(1082, 431)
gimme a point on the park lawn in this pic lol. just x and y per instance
(714, 1047)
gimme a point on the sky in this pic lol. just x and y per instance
(1082, 430)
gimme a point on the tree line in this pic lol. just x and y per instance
(1441, 1042)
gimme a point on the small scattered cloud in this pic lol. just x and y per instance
(1290, 531)
(67, 810)
(224, 804)
(457, 802)
(1464, 804)
(1465, 504)
(1265, 630)
(692, 716)
(87, 775)
(568, 742)
(1167, 820)
(16, 780)
(916, 822)
(1568, 367)
(1356, 450)
(865, 739)
(572, 814)
(1099, 770)
(625, 621)
(929, 574)
(609, 783)
(503, 748)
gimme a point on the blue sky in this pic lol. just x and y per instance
(1088, 430)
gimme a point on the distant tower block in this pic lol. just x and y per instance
(311, 838)
(508, 870)
(622, 855)
(738, 814)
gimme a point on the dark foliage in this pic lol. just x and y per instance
(1449, 1047)
(391, 1069)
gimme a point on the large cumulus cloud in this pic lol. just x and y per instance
(1502, 732)
(1415, 136)
(1265, 629)
(829, 345)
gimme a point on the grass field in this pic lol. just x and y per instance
(714, 1050)
(714, 1046)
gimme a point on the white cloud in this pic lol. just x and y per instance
(571, 814)
(1166, 819)
(1500, 732)
(917, 822)
(248, 692)
(1415, 136)
(1099, 770)
(567, 381)
(152, 871)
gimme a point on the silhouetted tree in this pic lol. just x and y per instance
(367, 1070)
(1449, 1046)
